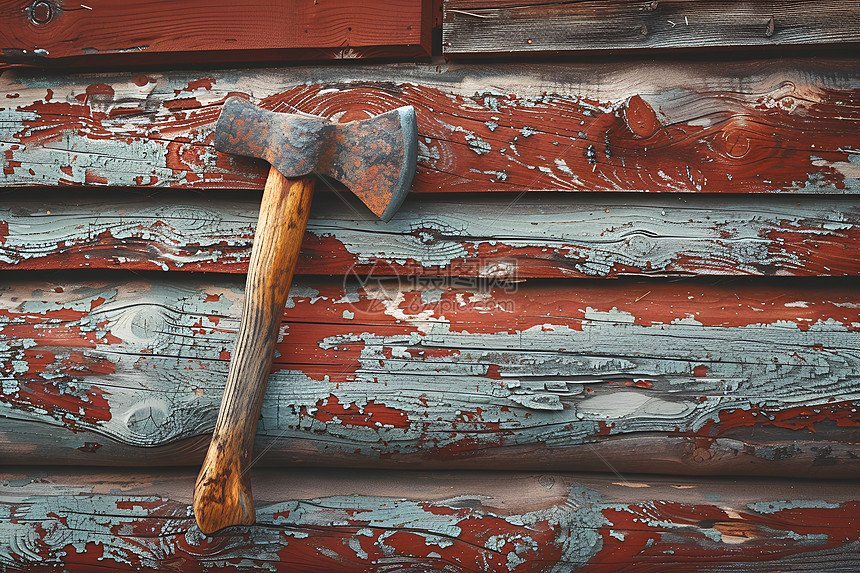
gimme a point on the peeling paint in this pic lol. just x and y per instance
(134, 521)
(428, 375)
(770, 507)
(551, 237)
(147, 135)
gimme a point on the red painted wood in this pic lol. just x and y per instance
(125, 34)
(361, 375)
(787, 128)
(359, 521)
(490, 236)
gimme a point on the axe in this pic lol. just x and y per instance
(375, 158)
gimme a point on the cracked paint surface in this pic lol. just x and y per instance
(547, 236)
(626, 127)
(460, 522)
(716, 378)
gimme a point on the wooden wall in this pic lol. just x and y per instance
(751, 125)
(322, 521)
(631, 249)
(103, 33)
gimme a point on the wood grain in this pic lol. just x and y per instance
(364, 521)
(126, 34)
(786, 125)
(738, 377)
(492, 236)
(222, 495)
(503, 27)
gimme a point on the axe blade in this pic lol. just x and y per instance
(375, 158)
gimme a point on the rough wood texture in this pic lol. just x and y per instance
(538, 235)
(502, 27)
(109, 33)
(788, 125)
(737, 377)
(222, 495)
(361, 521)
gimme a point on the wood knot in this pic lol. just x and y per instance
(736, 143)
(547, 481)
(639, 245)
(141, 324)
(41, 12)
(640, 117)
(146, 420)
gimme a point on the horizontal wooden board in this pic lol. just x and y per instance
(539, 235)
(504, 27)
(125, 34)
(786, 125)
(736, 377)
(363, 521)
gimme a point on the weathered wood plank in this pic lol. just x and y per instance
(363, 521)
(544, 235)
(736, 377)
(503, 27)
(125, 34)
(764, 126)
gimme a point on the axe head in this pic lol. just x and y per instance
(375, 157)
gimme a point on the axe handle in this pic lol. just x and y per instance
(222, 494)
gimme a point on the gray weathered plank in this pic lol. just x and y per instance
(503, 27)
(538, 235)
(734, 378)
(364, 521)
(788, 125)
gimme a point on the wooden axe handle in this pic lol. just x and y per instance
(222, 495)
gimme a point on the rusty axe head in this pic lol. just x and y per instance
(374, 158)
